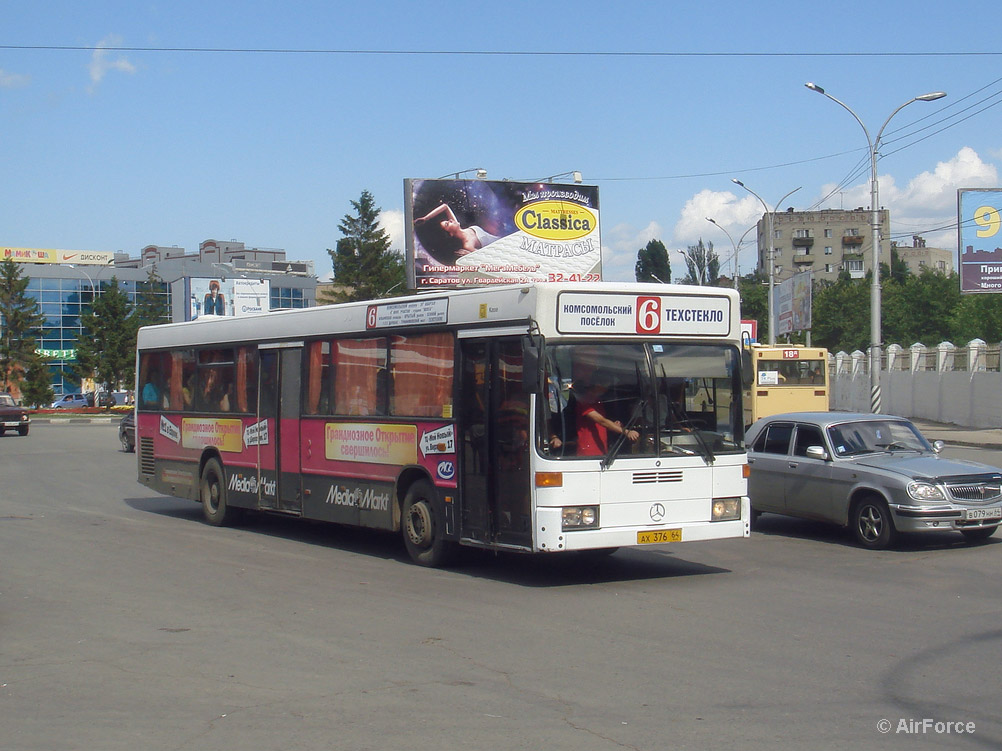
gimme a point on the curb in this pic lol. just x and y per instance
(73, 420)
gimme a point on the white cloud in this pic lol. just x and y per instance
(620, 246)
(393, 222)
(101, 62)
(730, 212)
(937, 190)
(12, 80)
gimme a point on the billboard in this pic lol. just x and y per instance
(793, 304)
(51, 255)
(227, 297)
(466, 233)
(979, 213)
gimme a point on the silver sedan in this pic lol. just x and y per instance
(875, 474)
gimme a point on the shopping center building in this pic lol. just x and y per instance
(222, 278)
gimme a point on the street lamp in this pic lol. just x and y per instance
(873, 145)
(481, 173)
(736, 246)
(697, 272)
(574, 174)
(772, 254)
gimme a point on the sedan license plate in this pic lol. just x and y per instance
(983, 513)
(657, 536)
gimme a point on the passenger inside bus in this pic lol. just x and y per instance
(215, 394)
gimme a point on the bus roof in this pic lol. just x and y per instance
(509, 306)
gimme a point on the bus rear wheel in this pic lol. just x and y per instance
(423, 526)
(212, 491)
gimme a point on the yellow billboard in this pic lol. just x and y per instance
(52, 255)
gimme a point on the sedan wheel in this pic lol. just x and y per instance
(871, 523)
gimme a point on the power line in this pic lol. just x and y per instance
(488, 53)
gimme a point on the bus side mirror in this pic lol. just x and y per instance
(747, 375)
(532, 355)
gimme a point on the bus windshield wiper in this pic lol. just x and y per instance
(677, 416)
(684, 420)
(614, 449)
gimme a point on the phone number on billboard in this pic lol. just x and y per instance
(573, 278)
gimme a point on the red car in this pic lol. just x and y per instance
(13, 417)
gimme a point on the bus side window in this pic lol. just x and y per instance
(356, 377)
(421, 368)
(246, 384)
(318, 379)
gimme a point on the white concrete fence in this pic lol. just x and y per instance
(949, 384)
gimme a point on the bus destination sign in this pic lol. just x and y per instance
(407, 313)
(664, 315)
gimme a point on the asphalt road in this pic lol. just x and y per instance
(128, 623)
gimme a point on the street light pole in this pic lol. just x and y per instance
(873, 144)
(772, 254)
(698, 273)
(735, 246)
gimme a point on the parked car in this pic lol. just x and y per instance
(875, 474)
(127, 432)
(72, 401)
(114, 398)
(13, 417)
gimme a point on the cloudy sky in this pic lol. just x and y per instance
(129, 124)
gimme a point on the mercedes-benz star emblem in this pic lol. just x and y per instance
(657, 512)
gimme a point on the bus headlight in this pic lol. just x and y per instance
(725, 509)
(580, 517)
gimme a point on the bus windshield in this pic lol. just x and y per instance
(641, 399)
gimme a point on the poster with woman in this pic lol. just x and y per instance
(478, 232)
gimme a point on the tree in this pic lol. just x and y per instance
(841, 314)
(21, 323)
(978, 317)
(920, 308)
(365, 268)
(36, 388)
(108, 349)
(754, 294)
(653, 264)
(150, 306)
(703, 265)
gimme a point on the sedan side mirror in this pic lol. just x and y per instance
(817, 452)
(938, 446)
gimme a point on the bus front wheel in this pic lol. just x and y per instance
(423, 526)
(212, 490)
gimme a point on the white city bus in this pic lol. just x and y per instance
(465, 417)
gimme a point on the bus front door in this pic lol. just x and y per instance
(279, 487)
(494, 436)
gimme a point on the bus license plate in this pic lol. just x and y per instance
(983, 513)
(657, 536)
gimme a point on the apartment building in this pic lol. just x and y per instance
(825, 242)
(920, 257)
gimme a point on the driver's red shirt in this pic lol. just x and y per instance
(593, 439)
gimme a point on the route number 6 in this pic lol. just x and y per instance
(648, 315)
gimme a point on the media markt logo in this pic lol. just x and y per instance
(241, 484)
(556, 220)
(364, 499)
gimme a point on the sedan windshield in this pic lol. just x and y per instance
(657, 399)
(872, 436)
